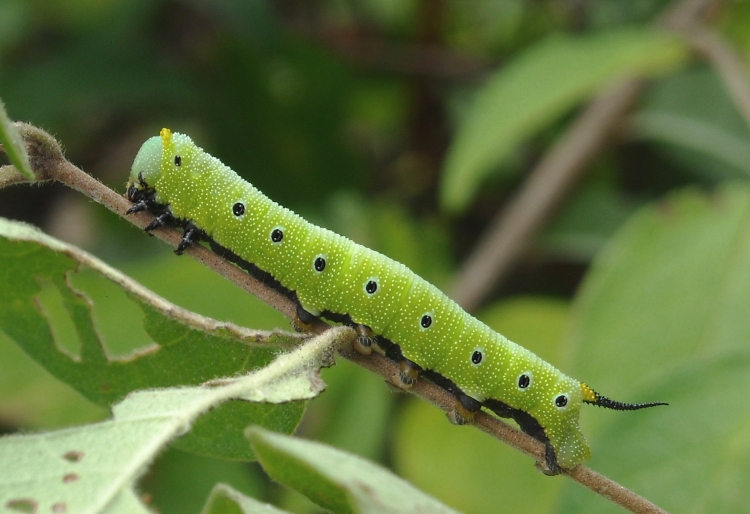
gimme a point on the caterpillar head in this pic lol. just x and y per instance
(147, 165)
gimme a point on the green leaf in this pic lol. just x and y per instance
(662, 316)
(673, 286)
(13, 145)
(691, 120)
(339, 418)
(179, 481)
(225, 500)
(87, 469)
(537, 88)
(58, 326)
(31, 399)
(590, 217)
(465, 467)
(190, 284)
(336, 480)
(694, 455)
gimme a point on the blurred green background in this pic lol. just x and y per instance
(351, 113)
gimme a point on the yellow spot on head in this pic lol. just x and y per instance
(589, 395)
(167, 144)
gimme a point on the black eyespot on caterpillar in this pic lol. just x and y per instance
(524, 381)
(177, 160)
(476, 357)
(277, 235)
(319, 264)
(238, 209)
(371, 287)
(561, 401)
(426, 321)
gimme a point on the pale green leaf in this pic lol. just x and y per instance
(336, 480)
(537, 88)
(93, 467)
(225, 500)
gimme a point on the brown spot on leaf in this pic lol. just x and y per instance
(22, 505)
(59, 508)
(70, 477)
(73, 456)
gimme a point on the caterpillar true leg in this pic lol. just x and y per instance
(407, 375)
(191, 235)
(141, 195)
(141, 205)
(165, 219)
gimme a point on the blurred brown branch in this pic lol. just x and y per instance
(429, 60)
(49, 163)
(711, 46)
(514, 228)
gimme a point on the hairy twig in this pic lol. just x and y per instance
(54, 166)
(512, 231)
(9, 175)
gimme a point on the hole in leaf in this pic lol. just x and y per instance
(22, 505)
(117, 318)
(52, 307)
(73, 456)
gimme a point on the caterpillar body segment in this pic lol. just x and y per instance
(331, 276)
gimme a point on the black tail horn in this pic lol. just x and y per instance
(605, 402)
(592, 397)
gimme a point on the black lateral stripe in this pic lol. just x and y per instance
(254, 271)
(528, 423)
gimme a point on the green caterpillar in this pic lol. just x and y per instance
(330, 276)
